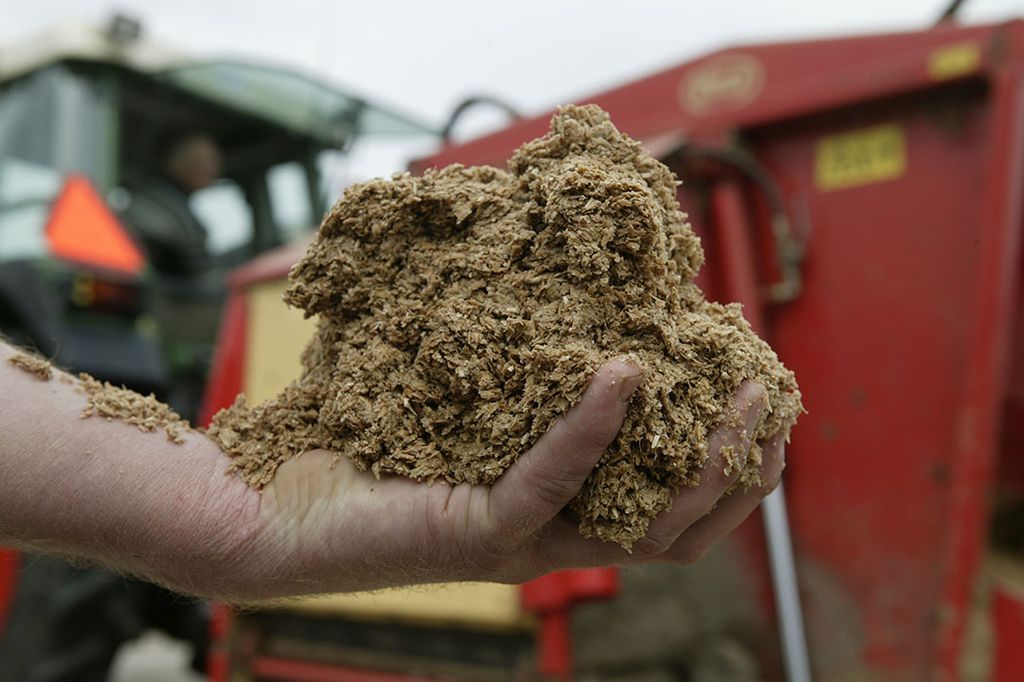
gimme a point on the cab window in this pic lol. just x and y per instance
(226, 215)
(289, 200)
(50, 125)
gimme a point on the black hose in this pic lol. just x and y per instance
(745, 164)
(789, 250)
(949, 14)
(470, 102)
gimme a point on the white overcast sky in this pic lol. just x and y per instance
(425, 56)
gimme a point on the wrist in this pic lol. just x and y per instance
(216, 537)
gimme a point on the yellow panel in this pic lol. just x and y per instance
(472, 604)
(953, 61)
(860, 157)
(276, 336)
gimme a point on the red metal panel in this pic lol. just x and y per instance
(901, 335)
(287, 670)
(736, 266)
(562, 589)
(228, 366)
(796, 79)
(9, 560)
(984, 379)
(886, 339)
(552, 597)
(1011, 465)
(270, 266)
(1008, 623)
(218, 661)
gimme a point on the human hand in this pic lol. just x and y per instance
(324, 528)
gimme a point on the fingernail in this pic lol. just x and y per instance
(754, 410)
(630, 374)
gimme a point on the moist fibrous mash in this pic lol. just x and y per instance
(103, 399)
(39, 367)
(144, 412)
(462, 311)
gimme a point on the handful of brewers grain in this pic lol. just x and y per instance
(462, 312)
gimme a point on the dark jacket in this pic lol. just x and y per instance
(160, 215)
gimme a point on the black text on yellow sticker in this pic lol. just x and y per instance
(860, 157)
(953, 61)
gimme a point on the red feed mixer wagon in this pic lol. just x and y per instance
(862, 198)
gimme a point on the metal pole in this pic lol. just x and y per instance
(787, 595)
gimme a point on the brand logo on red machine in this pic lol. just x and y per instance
(723, 83)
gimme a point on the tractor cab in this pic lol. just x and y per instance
(85, 116)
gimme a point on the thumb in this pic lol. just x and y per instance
(549, 475)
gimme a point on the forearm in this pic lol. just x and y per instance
(107, 492)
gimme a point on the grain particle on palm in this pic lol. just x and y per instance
(731, 460)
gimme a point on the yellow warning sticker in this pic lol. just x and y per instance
(860, 157)
(953, 61)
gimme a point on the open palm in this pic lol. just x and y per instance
(340, 529)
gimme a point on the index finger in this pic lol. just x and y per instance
(551, 473)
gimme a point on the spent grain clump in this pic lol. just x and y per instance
(110, 402)
(40, 368)
(461, 312)
(144, 412)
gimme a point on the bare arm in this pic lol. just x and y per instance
(105, 491)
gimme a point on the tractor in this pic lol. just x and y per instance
(83, 113)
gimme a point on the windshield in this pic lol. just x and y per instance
(54, 119)
(301, 103)
(51, 124)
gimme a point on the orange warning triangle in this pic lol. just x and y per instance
(82, 229)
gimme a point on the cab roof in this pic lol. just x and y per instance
(299, 102)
